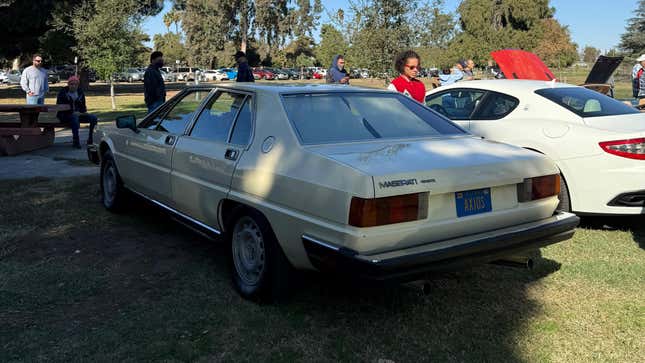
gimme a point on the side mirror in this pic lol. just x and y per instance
(127, 122)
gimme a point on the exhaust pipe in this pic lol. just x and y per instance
(515, 261)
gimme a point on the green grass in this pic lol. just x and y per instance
(81, 284)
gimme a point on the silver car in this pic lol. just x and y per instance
(359, 182)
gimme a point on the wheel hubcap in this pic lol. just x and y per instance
(109, 184)
(248, 251)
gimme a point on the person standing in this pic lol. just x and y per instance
(337, 72)
(408, 64)
(154, 88)
(469, 69)
(34, 81)
(637, 73)
(73, 96)
(244, 72)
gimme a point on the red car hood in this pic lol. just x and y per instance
(520, 64)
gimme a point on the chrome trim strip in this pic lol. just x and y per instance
(193, 220)
(324, 244)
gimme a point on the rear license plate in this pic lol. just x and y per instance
(473, 202)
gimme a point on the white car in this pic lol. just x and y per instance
(215, 75)
(320, 178)
(598, 143)
(3, 77)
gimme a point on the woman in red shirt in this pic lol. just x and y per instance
(408, 64)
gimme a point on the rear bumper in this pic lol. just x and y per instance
(410, 263)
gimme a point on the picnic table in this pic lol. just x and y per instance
(28, 133)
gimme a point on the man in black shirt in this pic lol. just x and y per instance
(154, 89)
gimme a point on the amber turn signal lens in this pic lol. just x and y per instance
(538, 188)
(388, 210)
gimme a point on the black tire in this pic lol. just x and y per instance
(272, 283)
(113, 194)
(565, 202)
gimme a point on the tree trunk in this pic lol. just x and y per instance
(244, 24)
(15, 65)
(112, 94)
(84, 78)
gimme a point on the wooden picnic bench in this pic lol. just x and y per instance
(28, 133)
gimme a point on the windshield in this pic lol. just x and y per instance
(320, 118)
(584, 102)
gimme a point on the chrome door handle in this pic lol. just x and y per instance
(230, 154)
(170, 140)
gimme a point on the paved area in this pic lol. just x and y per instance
(57, 161)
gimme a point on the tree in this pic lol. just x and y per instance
(108, 36)
(331, 43)
(209, 25)
(590, 54)
(555, 47)
(171, 46)
(633, 40)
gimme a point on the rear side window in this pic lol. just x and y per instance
(341, 117)
(584, 102)
(218, 116)
(495, 106)
(457, 104)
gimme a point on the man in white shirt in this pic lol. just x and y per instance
(34, 82)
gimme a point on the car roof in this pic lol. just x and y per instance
(505, 85)
(281, 88)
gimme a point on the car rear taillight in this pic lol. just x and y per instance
(388, 210)
(632, 149)
(538, 188)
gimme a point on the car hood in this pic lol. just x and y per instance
(623, 123)
(438, 165)
(603, 69)
(520, 64)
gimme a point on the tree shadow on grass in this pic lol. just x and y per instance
(87, 283)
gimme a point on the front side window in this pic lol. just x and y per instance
(584, 102)
(176, 120)
(218, 116)
(341, 117)
(455, 104)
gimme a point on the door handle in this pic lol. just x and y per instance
(170, 140)
(230, 154)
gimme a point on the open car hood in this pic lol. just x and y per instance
(603, 69)
(520, 64)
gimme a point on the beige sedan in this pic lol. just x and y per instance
(361, 182)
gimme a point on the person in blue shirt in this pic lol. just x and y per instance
(337, 72)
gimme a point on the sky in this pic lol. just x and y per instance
(598, 23)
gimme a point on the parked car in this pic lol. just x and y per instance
(185, 74)
(259, 73)
(215, 75)
(3, 77)
(278, 73)
(292, 72)
(231, 73)
(13, 76)
(319, 178)
(52, 77)
(167, 77)
(129, 75)
(598, 143)
(318, 75)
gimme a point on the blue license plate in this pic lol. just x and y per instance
(473, 202)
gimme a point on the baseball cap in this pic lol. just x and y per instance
(641, 58)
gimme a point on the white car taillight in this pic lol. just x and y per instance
(632, 148)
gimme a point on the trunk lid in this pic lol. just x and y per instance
(620, 123)
(438, 165)
(520, 64)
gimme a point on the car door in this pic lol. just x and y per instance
(489, 118)
(146, 155)
(205, 159)
(456, 104)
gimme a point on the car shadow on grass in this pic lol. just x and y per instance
(81, 282)
(635, 224)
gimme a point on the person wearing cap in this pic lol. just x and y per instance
(73, 96)
(637, 73)
(244, 72)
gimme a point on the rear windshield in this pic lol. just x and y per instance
(585, 102)
(320, 118)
